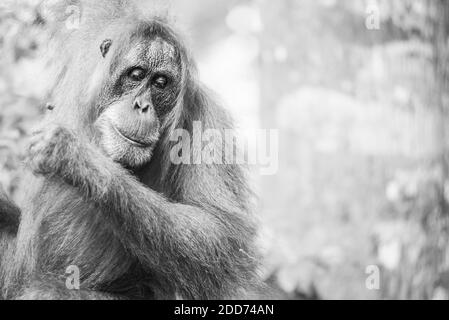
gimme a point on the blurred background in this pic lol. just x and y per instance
(359, 91)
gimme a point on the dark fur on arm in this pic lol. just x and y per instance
(9, 225)
(50, 288)
(202, 248)
(9, 214)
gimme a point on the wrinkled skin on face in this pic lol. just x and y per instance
(141, 88)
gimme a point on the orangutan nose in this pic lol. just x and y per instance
(142, 105)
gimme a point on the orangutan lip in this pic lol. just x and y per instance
(132, 141)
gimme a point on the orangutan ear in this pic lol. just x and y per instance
(105, 46)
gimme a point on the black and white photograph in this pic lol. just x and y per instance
(242, 151)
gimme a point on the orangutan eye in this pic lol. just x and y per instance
(137, 74)
(160, 82)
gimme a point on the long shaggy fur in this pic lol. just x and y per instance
(165, 231)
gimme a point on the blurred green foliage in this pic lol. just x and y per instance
(22, 38)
